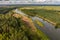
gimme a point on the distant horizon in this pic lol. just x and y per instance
(29, 5)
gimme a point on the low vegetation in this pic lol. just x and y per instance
(50, 13)
(12, 27)
(39, 23)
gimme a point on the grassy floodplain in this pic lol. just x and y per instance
(48, 13)
(13, 26)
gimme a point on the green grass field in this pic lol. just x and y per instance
(51, 13)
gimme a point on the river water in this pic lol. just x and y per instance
(48, 29)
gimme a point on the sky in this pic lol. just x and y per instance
(40, 1)
(37, 1)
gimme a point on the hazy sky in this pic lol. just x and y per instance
(38, 1)
(41, 1)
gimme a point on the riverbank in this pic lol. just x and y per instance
(32, 8)
(51, 16)
(49, 21)
(48, 29)
(29, 23)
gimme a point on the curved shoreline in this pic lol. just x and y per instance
(49, 21)
(48, 29)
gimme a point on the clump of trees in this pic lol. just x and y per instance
(12, 28)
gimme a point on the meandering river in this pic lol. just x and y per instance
(48, 29)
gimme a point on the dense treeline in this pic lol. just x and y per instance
(4, 10)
